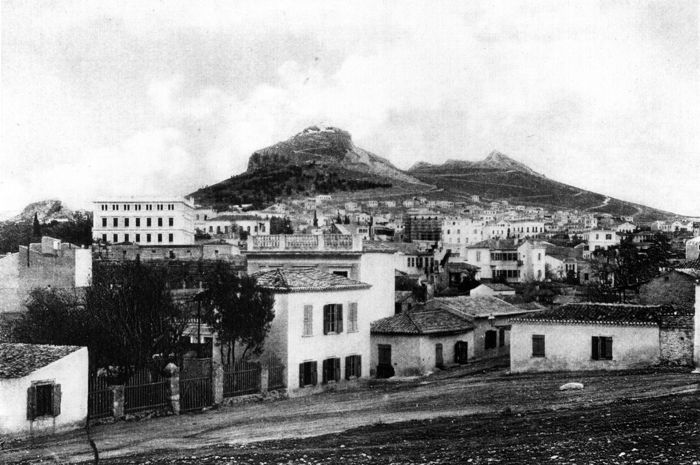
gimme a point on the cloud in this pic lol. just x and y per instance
(600, 95)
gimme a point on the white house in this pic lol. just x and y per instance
(589, 336)
(507, 259)
(625, 227)
(692, 249)
(43, 388)
(144, 220)
(321, 329)
(599, 239)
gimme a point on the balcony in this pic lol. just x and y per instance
(305, 243)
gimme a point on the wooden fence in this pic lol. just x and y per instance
(241, 378)
(145, 390)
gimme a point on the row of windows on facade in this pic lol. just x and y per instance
(137, 238)
(332, 319)
(308, 371)
(601, 347)
(419, 262)
(126, 222)
(259, 228)
(137, 206)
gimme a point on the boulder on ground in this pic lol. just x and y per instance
(570, 386)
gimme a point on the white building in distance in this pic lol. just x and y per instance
(144, 220)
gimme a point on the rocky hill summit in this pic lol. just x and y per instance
(45, 210)
(325, 146)
(494, 161)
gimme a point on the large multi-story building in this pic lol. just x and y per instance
(507, 259)
(423, 226)
(147, 220)
(459, 231)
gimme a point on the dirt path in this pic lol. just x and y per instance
(453, 393)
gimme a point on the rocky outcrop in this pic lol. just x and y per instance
(325, 146)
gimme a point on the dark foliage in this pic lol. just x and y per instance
(281, 225)
(237, 310)
(76, 231)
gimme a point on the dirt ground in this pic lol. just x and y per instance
(447, 418)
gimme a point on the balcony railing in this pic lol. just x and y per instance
(306, 242)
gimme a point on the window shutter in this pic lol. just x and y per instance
(336, 368)
(326, 318)
(56, 400)
(358, 370)
(610, 352)
(348, 370)
(352, 325)
(301, 375)
(594, 348)
(339, 319)
(308, 320)
(314, 373)
(31, 403)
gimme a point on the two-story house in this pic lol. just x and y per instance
(507, 259)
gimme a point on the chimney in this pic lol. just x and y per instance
(696, 336)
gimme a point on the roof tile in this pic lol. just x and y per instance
(18, 360)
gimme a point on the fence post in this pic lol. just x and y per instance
(118, 401)
(172, 372)
(217, 382)
(264, 379)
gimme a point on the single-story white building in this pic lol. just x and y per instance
(596, 336)
(43, 388)
(321, 327)
(418, 341)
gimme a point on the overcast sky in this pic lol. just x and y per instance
(132, 98)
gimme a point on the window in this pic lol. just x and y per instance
(539, 257)
(352, 318)
(115, 222)
(126, 238)
(171, 221)
(501, 337)
(307, 374)
(148, 222)
(308, 320)
(115, 238)
(160, 222)
(126, 222)
(331, 369)
(601, 348)
(478, 255)
(332, 319)
(43, 400)
(160, 238)
(439, 362)
(148, 238)
(104, 222)
(170, 237)
(138, 222)
(490, 340)
(353, 366)
(608, 237)
(341, 273)
(104, 238)
(138, 238)
(537, 345)
(461, 352)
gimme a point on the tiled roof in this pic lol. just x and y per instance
(692, 264)
(18, 360)
(305, 280)
(478, 306)
(495, 244)
(421, 321)
(586, 313)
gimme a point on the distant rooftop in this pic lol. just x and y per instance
(305, 280)
(601, 313)
(18, 360)
(305, 243)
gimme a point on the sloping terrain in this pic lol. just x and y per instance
(498, 177)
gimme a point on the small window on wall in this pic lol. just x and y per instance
(308, 320)
(353, 366)
(332, 318)
(538, 345)
(341, 273)
(307, 374)
(601, 348)
(331, 370)
(490, 340)
(43, 400)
